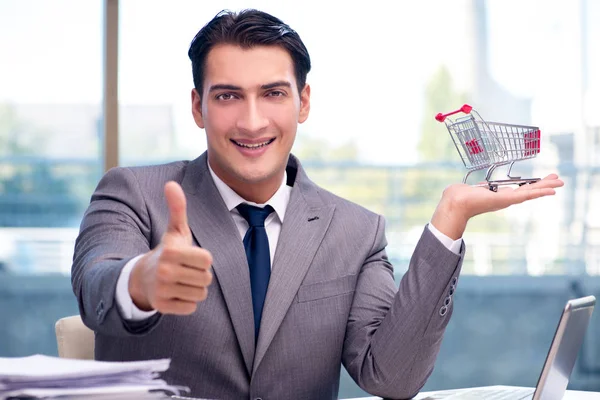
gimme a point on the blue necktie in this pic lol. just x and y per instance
(256, 244)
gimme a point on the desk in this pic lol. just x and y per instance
(569, 395)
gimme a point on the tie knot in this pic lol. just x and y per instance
(255, 216)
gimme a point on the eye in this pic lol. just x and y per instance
(225, 96)
(276, 93)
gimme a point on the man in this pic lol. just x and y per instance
(265, 301)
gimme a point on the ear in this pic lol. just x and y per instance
(304, 104)
(197, 108)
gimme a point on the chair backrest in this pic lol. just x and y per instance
(74, 339)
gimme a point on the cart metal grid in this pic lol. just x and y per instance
(483, 144)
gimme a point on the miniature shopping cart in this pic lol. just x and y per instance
(482, 144)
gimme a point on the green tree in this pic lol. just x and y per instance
(435, 144)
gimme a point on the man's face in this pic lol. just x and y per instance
(250, 108)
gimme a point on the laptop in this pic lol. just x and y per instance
(559, 364)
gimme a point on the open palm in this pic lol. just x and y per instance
(460, 202)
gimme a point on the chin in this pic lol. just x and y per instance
(255, 177)
(255, 174)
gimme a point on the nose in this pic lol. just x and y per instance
(252, 119)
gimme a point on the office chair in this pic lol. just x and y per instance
(74, 339)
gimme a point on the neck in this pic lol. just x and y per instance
(257, 191)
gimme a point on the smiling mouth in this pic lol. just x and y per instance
(253, 145)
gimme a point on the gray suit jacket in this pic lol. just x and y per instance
(331, 298)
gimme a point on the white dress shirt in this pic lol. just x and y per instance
(273, 224)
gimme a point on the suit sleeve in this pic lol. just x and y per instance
(393, 337)
(115, 228)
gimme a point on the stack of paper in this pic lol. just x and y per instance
(47, 377)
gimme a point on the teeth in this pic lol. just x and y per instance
(253, 146)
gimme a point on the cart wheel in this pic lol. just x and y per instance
(523, 183)
(493, 188)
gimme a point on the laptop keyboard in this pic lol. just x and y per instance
(494, 394)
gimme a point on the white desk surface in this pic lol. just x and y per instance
(569, 395)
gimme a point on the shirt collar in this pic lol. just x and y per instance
(279, 201)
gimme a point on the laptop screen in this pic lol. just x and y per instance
(565, 347)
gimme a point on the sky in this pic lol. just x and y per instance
(371, 60)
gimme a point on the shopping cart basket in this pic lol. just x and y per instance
(483, 144)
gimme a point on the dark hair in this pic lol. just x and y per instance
(247, 29)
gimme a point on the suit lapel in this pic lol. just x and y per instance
(305, 223)
(214, 229)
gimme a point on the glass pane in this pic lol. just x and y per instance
(50, 159)
(371, 136)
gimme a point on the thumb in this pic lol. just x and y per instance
(178, 222)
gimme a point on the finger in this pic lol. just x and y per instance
(169, 274)
(178, 222)
(521, 197)
(175, 306)
(551, 176)
(551, 181)
(194, 277)
(506, 196)
(190, 276)
(185, 293)
(191, 256)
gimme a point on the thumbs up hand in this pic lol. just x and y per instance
(178, 231)
(174, 276)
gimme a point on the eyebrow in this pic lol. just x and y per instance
(267, 86)
(276, 84)
(222, 86)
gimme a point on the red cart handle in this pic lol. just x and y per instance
(465, 108)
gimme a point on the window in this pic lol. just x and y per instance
(381, 71)
(371, 135)
(51, 80)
